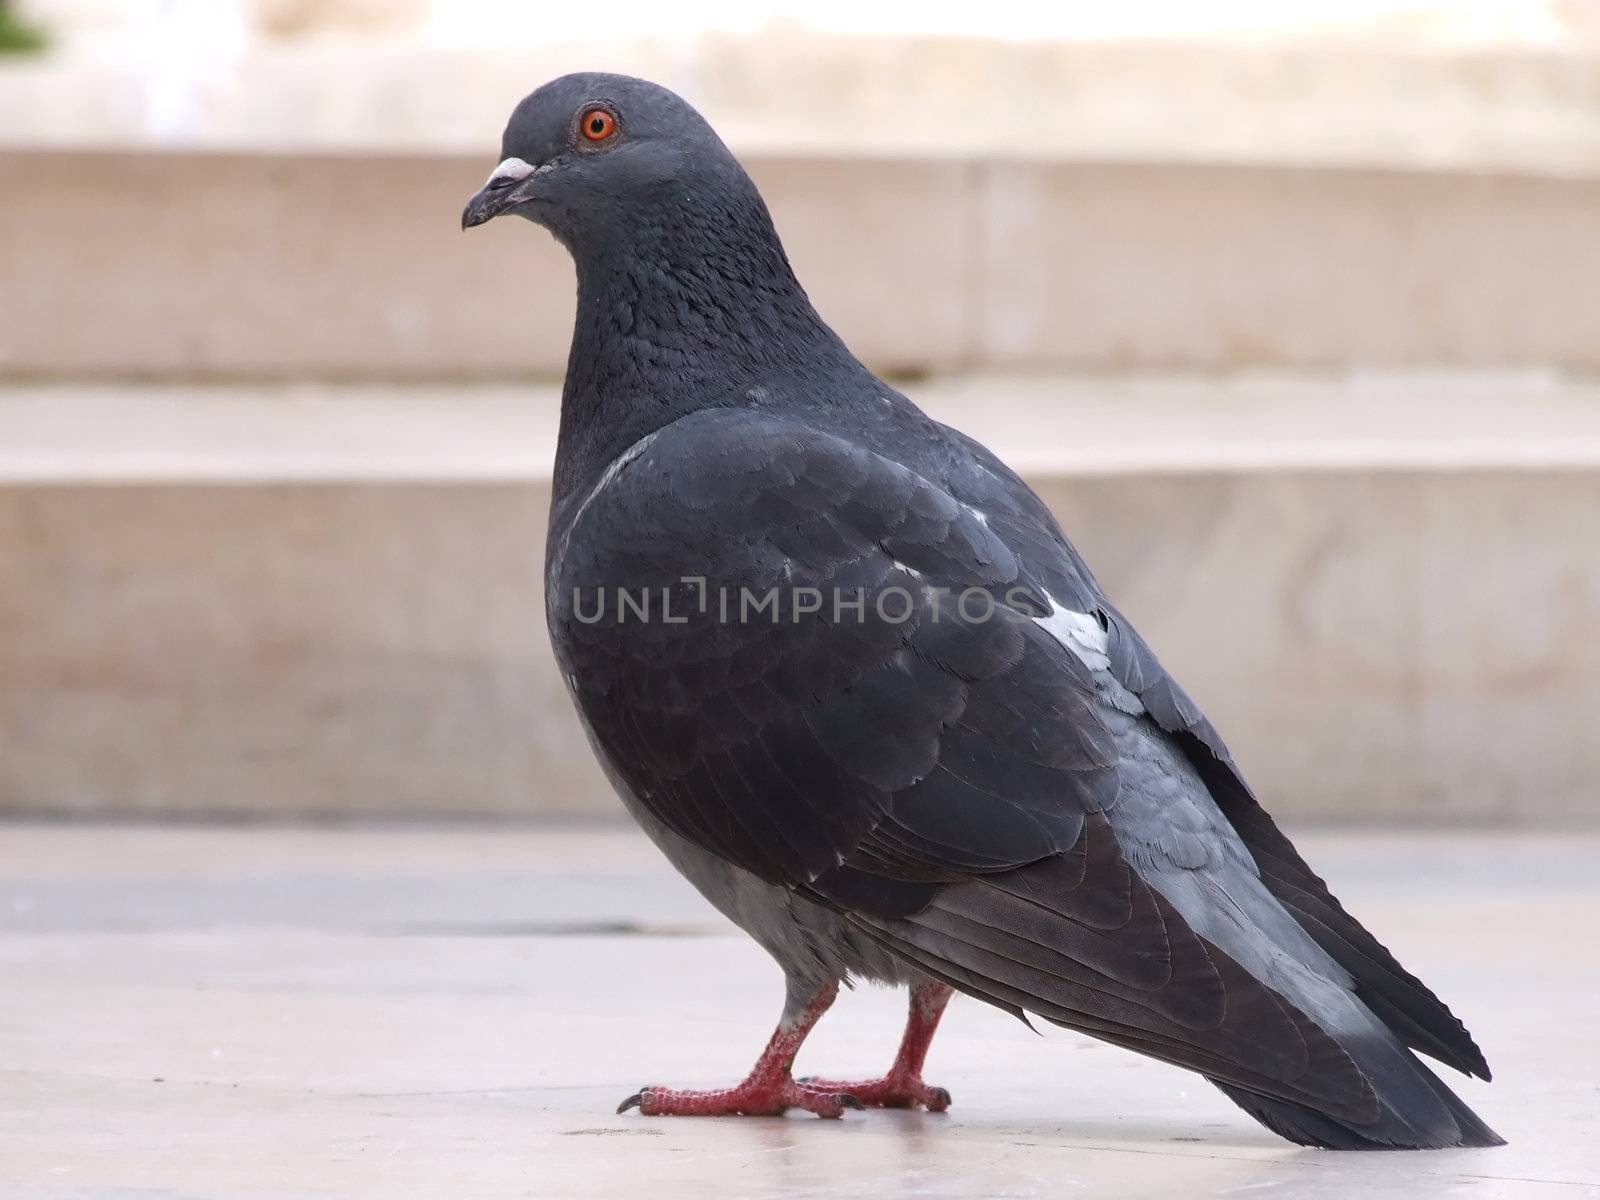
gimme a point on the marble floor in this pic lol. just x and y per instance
(199, 1013)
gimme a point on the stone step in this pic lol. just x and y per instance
(1395, 95)
(349, 265)
(275, 601)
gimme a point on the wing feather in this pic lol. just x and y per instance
(940, 778)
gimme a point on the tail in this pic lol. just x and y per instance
(1418, 1112)
(1207, 971)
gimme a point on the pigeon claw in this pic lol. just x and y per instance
(633, 1101)
(748, 1099)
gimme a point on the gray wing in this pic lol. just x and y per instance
(881, 747)
(987, 788)
(1053, 565)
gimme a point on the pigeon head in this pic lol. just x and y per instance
(602, 160)
(684, 291)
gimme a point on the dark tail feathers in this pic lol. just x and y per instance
(1307, 1127)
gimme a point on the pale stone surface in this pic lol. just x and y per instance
(450, 1013)
(350, 266)
(1049, 423)
(199, 265)
(334, 266)
(1130, 266)
(1386, 593)
(1323, 94)
(363, 647)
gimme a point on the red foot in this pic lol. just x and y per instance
(768, 1098)
(768, 1091)
(902, 1087)
(892, 1091)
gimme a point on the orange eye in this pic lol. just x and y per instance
(597, 124)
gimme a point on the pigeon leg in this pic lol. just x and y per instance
(902, 1087)
(768, 1091)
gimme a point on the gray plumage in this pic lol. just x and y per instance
(1023, 805)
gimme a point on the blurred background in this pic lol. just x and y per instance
(309, 885)
(1288, 307)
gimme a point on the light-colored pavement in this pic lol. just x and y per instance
(270, 1013)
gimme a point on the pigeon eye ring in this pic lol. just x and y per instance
(597, 124)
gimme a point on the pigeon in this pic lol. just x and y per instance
(848, 673)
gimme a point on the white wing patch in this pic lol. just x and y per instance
(1081, 633)
(1078, 632)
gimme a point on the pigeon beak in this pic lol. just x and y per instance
(502, 191)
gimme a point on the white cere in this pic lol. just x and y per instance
(513, 169)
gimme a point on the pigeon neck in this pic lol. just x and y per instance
(694, 314)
